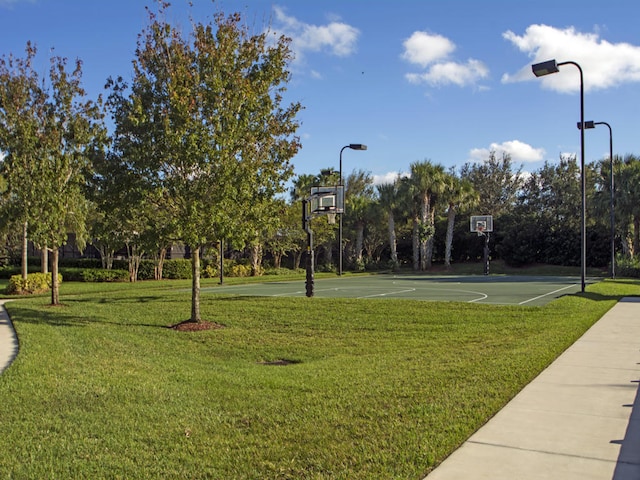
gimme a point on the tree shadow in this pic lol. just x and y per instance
(628, 462)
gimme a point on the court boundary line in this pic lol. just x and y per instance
(548, 293)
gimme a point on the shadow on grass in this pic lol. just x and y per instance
(55, 316)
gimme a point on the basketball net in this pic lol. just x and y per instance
(480, 230)
(331, 218)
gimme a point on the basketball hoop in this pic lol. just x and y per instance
(480, 230)
(331, 218)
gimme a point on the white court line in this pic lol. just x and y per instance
(550, 293)
(389, 293)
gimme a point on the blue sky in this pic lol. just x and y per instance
(446, 81)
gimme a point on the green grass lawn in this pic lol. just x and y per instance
(290, 388)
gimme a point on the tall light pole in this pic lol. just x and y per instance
(546, 68)
(352, 146)
(592, 124)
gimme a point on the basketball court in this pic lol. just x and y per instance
(491, 289)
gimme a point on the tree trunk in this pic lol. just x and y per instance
(157, 270)
(195, 285)
(359, 241)
(256, 259)
(424, 221)
(416, 244)
(277, 259)
(393, 243)
(451, 218)
(636, 234)
(44, 260)
(25, 245)
(297, 257)
(55, 294)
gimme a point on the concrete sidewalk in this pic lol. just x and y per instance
(578, 420)
(8, 339)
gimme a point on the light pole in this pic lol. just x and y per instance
(546, 68)
(592, 124)
(352, 146)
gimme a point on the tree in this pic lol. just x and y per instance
(628, 203)
(388, 198)
(49, 142)
(359, 195)
(205, 123)
(427, 184)
(496, 182)
(23, 104)
(458, 195)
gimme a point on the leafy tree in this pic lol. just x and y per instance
(286, 235)
(552, 194)
(49, 140)
(496, 182)
(205, 123)
(23, 106)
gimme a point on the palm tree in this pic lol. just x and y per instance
(359, 195)
(428, 182)
(628, 203)
(388, 198)
(459, 195)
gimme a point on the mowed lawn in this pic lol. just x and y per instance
(290, 388)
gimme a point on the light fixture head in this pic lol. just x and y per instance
(357, 146)
(587, 125)
(545, 68)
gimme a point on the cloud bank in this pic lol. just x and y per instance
(519, 152)
(604, 64)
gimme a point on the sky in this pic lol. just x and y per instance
(414, 80)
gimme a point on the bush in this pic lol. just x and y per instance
(177, 269)
(35, 283)
(627, 267)
(95, 275)
(239, 270)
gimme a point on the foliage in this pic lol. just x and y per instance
(94, 275)
(34, 283)
(202, 113)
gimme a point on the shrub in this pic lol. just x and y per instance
(35, 283)
(94, 275)
(176, 269)
(239, 270)
(627, 267)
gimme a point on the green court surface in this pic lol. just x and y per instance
(491, 289)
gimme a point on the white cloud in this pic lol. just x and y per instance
(423, 48)
(460, 74)
(517, 150)
(388, 177)
(431, 52)
(336, 38)
(604, 64)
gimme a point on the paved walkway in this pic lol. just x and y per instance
(8, 339)
(578, 420)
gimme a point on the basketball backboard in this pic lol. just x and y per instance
(481, 223)
(327, 200)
